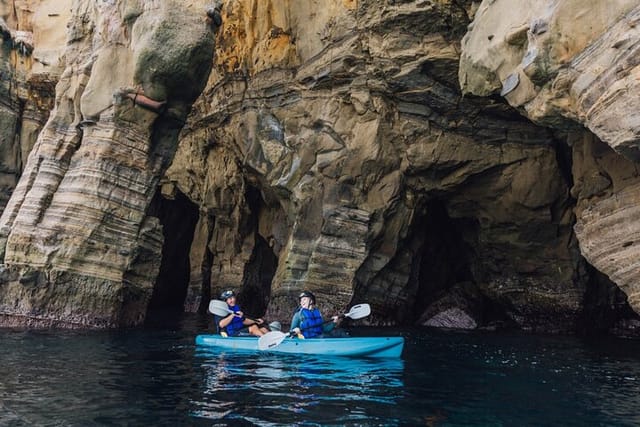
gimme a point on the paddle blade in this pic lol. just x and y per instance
(271, 339)
(359, 311)
(219, 308)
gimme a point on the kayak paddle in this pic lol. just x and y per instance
(220, 308)
(275, 338)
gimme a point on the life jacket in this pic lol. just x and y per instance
(234, 327)
(311, 324)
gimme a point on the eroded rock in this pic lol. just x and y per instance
(79, 213)
(330, 149)
(579, 63)
(352, 133)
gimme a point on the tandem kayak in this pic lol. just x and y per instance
(353, 346)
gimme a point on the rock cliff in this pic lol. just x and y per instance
(457, 164)
(78, 242)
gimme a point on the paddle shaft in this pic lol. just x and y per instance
(326, 322)
(275, 338)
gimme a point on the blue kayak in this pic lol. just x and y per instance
(353, 347)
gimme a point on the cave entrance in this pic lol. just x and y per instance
(263, 263)
(438, 254)
(447, 254)
(178, 218)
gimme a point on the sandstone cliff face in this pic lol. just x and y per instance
(376, 180)
(567, 65)
(77, 243)
(332, 149)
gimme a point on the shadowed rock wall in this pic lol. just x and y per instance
(568, 65)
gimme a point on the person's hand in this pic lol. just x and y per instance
(335, 319)
(296, 331)
(259, 321)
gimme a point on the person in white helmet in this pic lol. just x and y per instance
(307, 320)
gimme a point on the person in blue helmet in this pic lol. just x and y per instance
(307, 320)
(235, 322)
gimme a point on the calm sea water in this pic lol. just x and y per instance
(156, 376)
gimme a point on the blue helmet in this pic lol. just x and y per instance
(226, 295)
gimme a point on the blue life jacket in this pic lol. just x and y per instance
(311, 324)
(234, 327)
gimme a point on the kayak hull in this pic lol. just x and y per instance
(350, 347)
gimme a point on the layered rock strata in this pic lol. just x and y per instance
(78, 246)
(567, 65)
(26, 89)
(377, 180)
(331, 149)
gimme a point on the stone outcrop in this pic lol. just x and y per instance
(78, 245)
(461, 307)
(560, 63)
(567, 65)
(27, 81)
(448, 167)
(376, 180)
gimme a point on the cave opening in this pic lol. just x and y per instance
(178, 218)
(448, 268)
(447, 255)
(263, 263)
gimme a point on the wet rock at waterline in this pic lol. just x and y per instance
(452, 318)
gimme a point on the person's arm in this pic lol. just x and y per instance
(295, 322)
(226, 320)
(249, 322)
(328, 327)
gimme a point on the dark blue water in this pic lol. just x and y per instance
(155, 376)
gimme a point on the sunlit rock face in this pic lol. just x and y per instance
(78, 245)
(28, 77)
(566, 65)
(560, 62)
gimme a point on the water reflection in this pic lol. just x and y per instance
(520, 379)
(76, 378)
(274, 389)
(158, 377)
